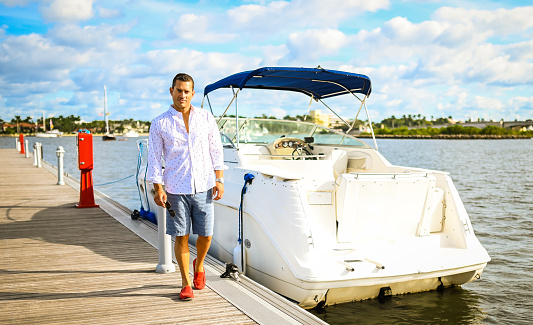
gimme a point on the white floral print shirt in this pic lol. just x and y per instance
(190, 158)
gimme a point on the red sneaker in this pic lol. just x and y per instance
(186, 293)
(199, 277)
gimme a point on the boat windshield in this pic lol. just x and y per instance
(253, 130)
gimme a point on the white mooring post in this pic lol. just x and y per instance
(38, 149)
(26, 151)
(164, 244)
(60, 152)
(17, 144)
(35, 154)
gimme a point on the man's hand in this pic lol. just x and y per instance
(218, 191)
(160, 197)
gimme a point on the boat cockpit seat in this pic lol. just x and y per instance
(339, 159)
(358, 162)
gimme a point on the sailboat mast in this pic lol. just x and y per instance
(44, 123)
(105, 110)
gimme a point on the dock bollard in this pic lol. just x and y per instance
(26, 149)
(60, 152)
(34, 154)
(164, 244)
(38, 149)
(21, 140)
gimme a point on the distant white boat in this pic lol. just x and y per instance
(49, 134)
(131, 134)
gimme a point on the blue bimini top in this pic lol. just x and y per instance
(316, 82)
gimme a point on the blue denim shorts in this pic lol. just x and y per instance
(194, 210)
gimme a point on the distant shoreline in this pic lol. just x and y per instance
(64, 135)
(380, 136)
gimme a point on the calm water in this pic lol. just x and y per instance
(495, 181)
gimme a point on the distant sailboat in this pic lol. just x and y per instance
(107, 136)
(48, 134)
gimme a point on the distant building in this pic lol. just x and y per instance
(319, 118)
(22, 127)
(328, 120)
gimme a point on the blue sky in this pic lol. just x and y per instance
(466, 59)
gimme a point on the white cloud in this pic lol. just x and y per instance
(108, 13)
(65, 11)
(195, 29)
(278, 112)
(456, 47)
(313, 44)
(93, 37)
(31, 58)
(500, 22)
(487, 103)
(276, 15)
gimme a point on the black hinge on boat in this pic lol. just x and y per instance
(232, 271)
(385, 294)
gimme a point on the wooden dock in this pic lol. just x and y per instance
(63, 265)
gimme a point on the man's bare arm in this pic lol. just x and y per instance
(160, 197)
(218, 190)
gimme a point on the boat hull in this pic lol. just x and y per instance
(131, 135)
(45, 135)
(310, 284)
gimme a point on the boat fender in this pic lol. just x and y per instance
(239, 253)
(150, 216)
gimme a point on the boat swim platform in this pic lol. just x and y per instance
(60, 264)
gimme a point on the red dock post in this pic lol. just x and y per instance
(21, 139)
(85, 164)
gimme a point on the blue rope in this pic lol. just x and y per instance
(139, 162)
(115, 181)
(145, 188)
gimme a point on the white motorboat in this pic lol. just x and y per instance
(131, 134)
(49, 134)
(326, 219)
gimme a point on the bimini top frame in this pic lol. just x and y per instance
(318, 83)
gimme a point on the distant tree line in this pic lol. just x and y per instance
(413, 121)
(405, 125)
(68, 124)
(451, 130)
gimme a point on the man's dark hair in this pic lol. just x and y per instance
(182, 77)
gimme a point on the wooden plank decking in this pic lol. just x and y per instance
(62, 265)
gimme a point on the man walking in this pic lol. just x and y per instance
(189, 140)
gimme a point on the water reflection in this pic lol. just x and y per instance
(453, 306)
